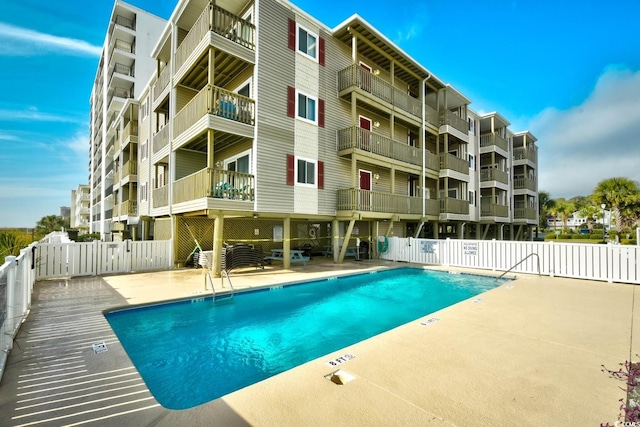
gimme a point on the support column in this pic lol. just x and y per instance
(345, 242)
(335, 239)
(218, 237)
(210, 159)
(436, 230)
(286, 243)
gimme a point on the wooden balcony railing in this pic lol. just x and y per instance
(449, 161)
(163, 81)
(131, 129)
(524, 184)
(128, 207)
(454, 206)
(160, 139)
(522, 153)
(493, 209)
(362, 139)
(216, 183)
(432, 207)
(217, 101)
(524, 213)
(494, 175)
(161, 197)
(356, 76)
(129, 168)
(494, 138)
(449, 118)
(353, 199)
(216, 19)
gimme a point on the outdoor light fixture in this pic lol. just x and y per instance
(604, 226)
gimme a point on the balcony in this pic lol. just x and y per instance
(449, 161)
(215, 183)
(161, 197)
(160, 139)
(218, 102)
(521, 153)
(524, 184)
(124, 70)
(130, 168)
(354, 199)
(163, 81)
(220, 21)
(524, 213)
(122, 46)
(493, 174)
(124, 22)
(356, 77)
(449, 205)
(362, 139)
(494, 140)
(493, 209)
(126, 208)
(450, 119)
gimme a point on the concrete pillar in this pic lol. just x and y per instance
(218, 237)
(286, 243)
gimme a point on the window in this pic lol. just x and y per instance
(144, 109)
(143, 192)
(240, 163)
(144, 150)
(306, 107)
(305, 172)
(472, 198)
(307, 42)
(472, 162)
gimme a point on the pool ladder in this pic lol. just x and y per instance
(520, 262)
(225, 296)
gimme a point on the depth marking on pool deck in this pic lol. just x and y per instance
(340, 360)
(429, 321)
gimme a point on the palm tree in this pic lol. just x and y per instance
(10, 244)
(545, 203)
(618, 194)
(564, 209)
(50, 223)
(590, 212)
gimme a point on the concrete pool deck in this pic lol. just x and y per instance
(529, 352)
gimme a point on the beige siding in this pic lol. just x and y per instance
(188, 162)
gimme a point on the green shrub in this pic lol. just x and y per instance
(88, 237)
(629, 241)
(550, 236)
(596, 236)
(564, 236)
(579, 236)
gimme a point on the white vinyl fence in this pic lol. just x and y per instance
(97, 258)
(17, 276)
(611, 262)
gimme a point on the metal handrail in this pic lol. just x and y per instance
(520, 262)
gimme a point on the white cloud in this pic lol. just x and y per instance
(18, 41)
(32, 114)
(595, 140)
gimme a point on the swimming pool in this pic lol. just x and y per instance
(193, 351)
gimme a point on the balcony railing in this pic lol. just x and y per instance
(524, 213)
(216, 19)
(356, 76)
(121, 45)
(121, 69)
(456, 122)
(449, 161)
(217, 101)
(493, 209)
(161, 197)
(160, 139)
(163, 81)
(524, 184)
(454, 206)
(125, 22)
(353, 199)
(522, 153)
(494, 138)
(216, 183)
(129, 168)
(128, 207)
(494, 175)
(362, 139)
(131, 129)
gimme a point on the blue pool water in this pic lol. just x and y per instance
(193, 351)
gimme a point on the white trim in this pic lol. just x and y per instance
(360, 117)
(236, 157)
(315, 172)
(243, 84)
(366, 66)
(370, 178)
(309, 32)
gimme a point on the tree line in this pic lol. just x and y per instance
(11, 241)
(621, 196)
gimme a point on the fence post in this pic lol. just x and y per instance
(495, 255)
(445, 260)
(609, 255)
(96, 258)
(552, 257)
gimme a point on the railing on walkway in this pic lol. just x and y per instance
(449, 118)
(449, 161)
(160, 139)
(494, 175)
(353, 199)
(611, 262)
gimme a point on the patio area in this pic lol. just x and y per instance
(528, 352)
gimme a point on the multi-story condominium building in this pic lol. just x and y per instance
(263, 126)
(80, 208)
(124, 68)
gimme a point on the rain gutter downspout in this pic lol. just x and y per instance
(424, 154)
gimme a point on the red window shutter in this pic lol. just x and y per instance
(291, 101)
(321, 113)
(321, 52)
(292, 34)
(320, 175)
(290, 169)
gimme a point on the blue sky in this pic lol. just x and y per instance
(567, 71)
